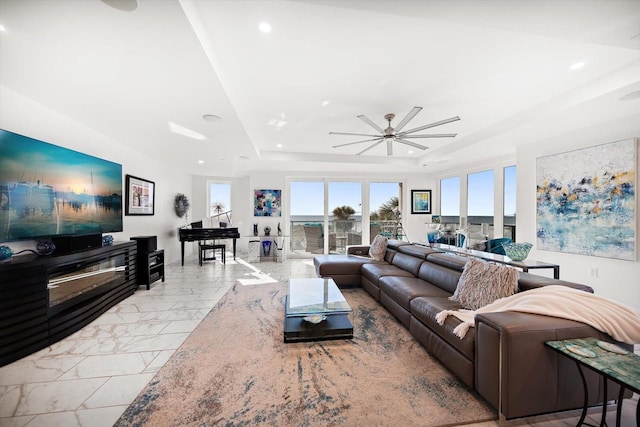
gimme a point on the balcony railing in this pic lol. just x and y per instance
(307, 237)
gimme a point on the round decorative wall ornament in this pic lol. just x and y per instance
(181, 205)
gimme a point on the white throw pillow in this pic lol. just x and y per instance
(378, 248)
(482, 283)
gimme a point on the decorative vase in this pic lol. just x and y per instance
(255, 229)
(266, 247)
(5, 253)
(267, 230)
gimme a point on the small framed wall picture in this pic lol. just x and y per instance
(420, 201)
(140, 196)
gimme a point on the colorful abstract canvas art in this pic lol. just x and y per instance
(267, 203)
(586, 201)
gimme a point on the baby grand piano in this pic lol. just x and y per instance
(195, 234)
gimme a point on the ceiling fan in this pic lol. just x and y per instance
(389, 135)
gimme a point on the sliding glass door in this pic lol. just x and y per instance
(327, 216)
(345, 215)
(307, 217)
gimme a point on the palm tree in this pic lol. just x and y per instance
(387, 211)
(343, 212)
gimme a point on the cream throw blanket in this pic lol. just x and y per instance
(618, 320)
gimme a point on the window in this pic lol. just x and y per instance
(345, 214)
(336, 214)
(480, 198)
(384, 197)
(219, 203)
(307, 216)
(510, 202)
(450, 200)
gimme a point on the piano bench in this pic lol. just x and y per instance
(206, 247)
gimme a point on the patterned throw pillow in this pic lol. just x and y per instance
(482, 283)
(378, 248)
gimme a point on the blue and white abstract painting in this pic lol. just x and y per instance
(586, 201)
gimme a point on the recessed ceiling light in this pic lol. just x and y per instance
(410, 151)
(279, 145)
(325, 103)
(264, 27)
(181, 130)
(201, 162)
(2, 28)
(212, 118)
(577, 66)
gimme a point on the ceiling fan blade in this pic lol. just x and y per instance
(407, 118)
(432, 135)
(352, 134)
(441, 122)
(413, 144)
(389, 147)
(369, 148)
(370, 123)
(357, 142)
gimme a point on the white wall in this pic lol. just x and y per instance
(24, 116)
(618, 280)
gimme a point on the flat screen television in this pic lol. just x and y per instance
(48, 191)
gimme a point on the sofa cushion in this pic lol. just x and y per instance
(403, 289)
(425, 309)
(378, 248)
(408, 263)
(482, 283)
(328, 265)
(417, 251)
(443, 277)
(374, 271)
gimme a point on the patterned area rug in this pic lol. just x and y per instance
(235, 370)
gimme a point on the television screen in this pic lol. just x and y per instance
(46, 191)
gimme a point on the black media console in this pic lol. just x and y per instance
(46, 298)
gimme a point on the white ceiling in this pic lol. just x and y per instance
(502, 66)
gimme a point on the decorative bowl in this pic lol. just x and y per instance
(315, 319)
(517, 251)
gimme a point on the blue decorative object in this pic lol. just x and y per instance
(517, 251)
(45, 247)
(107, 240)
(266, 247)
(5, 252)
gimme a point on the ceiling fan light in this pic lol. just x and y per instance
(389, 146)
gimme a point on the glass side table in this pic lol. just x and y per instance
(622, 369)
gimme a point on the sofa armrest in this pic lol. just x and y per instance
(361, 250)
(535, 379)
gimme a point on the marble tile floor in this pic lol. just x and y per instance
(89, 378)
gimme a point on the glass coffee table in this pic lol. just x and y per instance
(315, 309)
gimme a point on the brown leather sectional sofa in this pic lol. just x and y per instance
(414, 283)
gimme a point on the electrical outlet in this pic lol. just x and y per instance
(593, 271)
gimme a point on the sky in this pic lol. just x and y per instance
(480, 189)
(307, 198)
